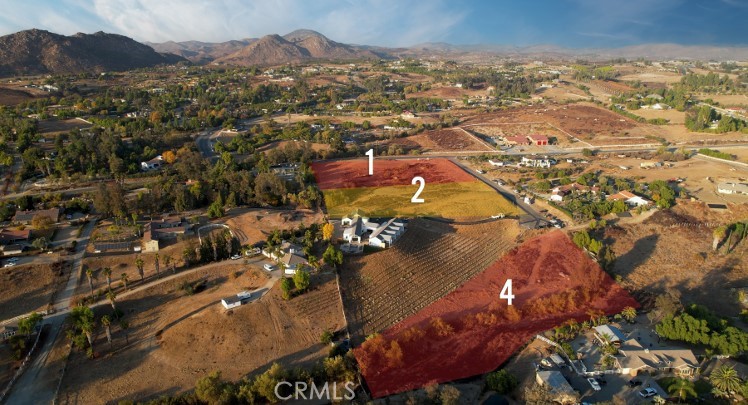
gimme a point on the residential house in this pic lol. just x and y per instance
(289, 254)
(356, 227)
(153, 164)
(25, 217)
(538, 140)
(732, 188)
(236, 300)
(559, 192)
(558, 386)
(14, 236)
(13, 249)
(387, 234)
(167, 228)
(499, 163)
(285, 171)
(537, 161)
(631, 199)
(516, 140)
(636, 359)
(408, 114)
(609, 334)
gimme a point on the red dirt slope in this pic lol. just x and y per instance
(471, 331)
(387, 172)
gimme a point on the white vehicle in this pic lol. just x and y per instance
(594, 384)
(647, 392)
(268, 267)
(498, 216)
(236, 257)
(9, 264)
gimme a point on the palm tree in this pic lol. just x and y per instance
(629, 314)
(91, 276)
(107, 322)
(683, 389)
(168, 264)
(726, 379)
(124, 326)
(112, 296)
(107, 271)
(139, 263)
(158, 275)
(124, 279)
(88, 326)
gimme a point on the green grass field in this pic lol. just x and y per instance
(468, 200)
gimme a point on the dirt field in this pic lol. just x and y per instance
(428, 262)
(443, 140)
(726, 100)
(562, 93)
(254, 225)
(387, 172)
(676, 117)
(175, 339)
(525, 129)
(26, 288)
(463, 201)
(13, 96)
(448, 93)
(53, 126)
(553, 281)
(652, 77)
(674, 250)
(585, 121)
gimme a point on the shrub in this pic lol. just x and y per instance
(502, 381)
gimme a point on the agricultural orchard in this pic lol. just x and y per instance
(429, 261)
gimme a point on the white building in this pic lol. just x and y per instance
(153, 164)
(236, 300)
(535, 161)
(387, 234)
(732, 188)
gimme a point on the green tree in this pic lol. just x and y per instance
(301, 279)
(326, 337)
(683, 389)
(629, 314)
(726, 379)
(286, 288)
(502, 381)
(211, 389)
(107, 272)
(124, 279)
(28, 324)
(140, 263)
(264, 384)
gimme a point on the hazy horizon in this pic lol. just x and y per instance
(569, 24)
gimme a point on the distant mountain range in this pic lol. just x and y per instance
(41, 52)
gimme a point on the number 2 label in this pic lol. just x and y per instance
(422, 182)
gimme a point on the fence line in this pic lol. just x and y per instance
(20, 369)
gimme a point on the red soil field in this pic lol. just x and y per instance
(387, 172)
(471, 331)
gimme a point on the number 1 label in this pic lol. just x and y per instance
(506, 292)
(370, 154)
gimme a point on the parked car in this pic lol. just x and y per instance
(647, 392)
(634, 382)
(268, 267)
(9, 264)
(602, 381)
(593, 383)
(236, 257)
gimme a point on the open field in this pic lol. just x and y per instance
(13, 96)
(726, 100)
(389, 172)
(652, 77)
(464, 200)
(26, 288)
(585, 121)
(673, 115)
(562, 92)
(522, 129)
(553, 281)
(175, 338)
(651, 256)
(443, 140)
(430, 260)
(255, 224)
(51, 126)
(448, 93)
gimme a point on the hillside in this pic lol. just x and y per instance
(294, 47)
(38, 52)
(201, 52)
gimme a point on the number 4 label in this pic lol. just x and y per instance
(506, 292)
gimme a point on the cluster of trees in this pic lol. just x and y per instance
(716, 154)
(729, 235)
(710, 82)
(586, 73)
(212, 389)
(604, 254)
(26, 327)
(700, 120)
(213, 248)
(697, 325)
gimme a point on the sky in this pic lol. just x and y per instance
(567, 23)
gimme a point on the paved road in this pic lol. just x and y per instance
(38, 383)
